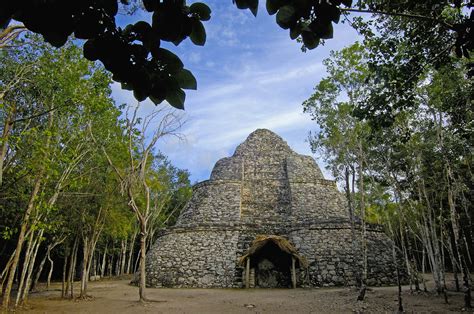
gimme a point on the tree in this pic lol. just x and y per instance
(59, 197)
(342, 138)
(134, 176)
(48, 142)
(416, 170)
(402, 49)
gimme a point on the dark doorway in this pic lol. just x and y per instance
(272, 267)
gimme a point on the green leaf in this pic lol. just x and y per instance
(285, 16)
(158, 92)
(334, 14)
(201, 9)
(90, 50)
(140, 94)
(176, 98)
(253, 6)
(156, 100)
(347, 3)
(295, 31)
(327, 32)
(273, 6)
(310, 40)
(186, 80)
(126, 86)
(247, 4)
(198, 34)
(170, 60)
(150, 5)
(241, 4)
(55, 38)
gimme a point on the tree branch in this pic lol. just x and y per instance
(407, 15)
(9, 34)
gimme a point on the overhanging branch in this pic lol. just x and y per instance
(407, 15)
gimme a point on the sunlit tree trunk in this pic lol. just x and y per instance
(104, 259)
(363, 287)
(21, 240)
(130, 252)
(134, 179)
(24, 294)
(395, 261)
(457, 241)
(5, 137)
(63, 281)
(39, 270)
(142, 285)
(26, 262)
(26, 217)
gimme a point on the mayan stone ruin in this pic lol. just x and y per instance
(266, 218)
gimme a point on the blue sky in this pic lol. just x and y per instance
(250, 75)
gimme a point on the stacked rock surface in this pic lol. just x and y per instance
(265, 188)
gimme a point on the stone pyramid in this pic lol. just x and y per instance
(265, 188)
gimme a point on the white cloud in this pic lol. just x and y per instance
(250, 75)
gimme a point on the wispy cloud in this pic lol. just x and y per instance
(250, 75)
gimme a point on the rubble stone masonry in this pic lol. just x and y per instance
(265, 188)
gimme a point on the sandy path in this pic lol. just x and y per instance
(116, 296)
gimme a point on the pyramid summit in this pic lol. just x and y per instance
(266, 218)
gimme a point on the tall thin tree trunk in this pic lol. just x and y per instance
(350, 206)
(143, 236)
(21, 240)
(405, 256)
(85, 262)
(26, 291)
(73, 272)
(94, 265)
(137, 260)
(457, 242)
(72, 268)
(111, 265)
(395, 261)
(50, 273)
(39, 271)
(27, 259)
(433, 243)
(453, 263)
(104, 259)
(443, 262)
(63, 283)
(5, 137)
(363, 288)
(25, 221)
(423, 270)
(123, 259)
(130, 252)
(4, 273)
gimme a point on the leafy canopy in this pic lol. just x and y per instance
(136, 60)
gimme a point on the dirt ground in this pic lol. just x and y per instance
(117, 296)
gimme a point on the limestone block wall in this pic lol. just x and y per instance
(331, 260)
(228, 168)
(265, 200)
(263, 141)
(302, 168)
(212, 201)
(316, 200)
(381, 268)
(199, 258)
